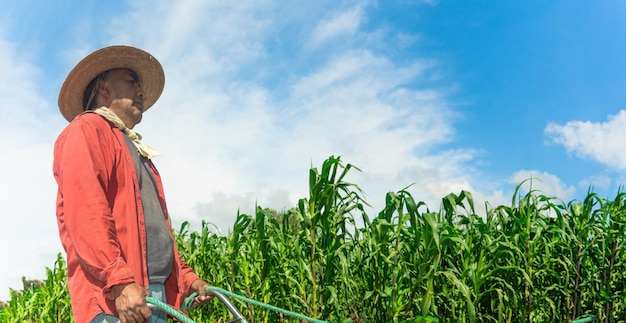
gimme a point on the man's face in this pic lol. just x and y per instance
(126, 97)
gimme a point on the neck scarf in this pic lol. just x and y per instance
(143, 148)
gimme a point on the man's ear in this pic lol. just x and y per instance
(103, 89)
(103, 94)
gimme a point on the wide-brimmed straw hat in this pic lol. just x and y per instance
(145, 65)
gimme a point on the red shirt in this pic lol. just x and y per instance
(101, 220)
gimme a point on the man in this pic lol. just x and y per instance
(111, 212)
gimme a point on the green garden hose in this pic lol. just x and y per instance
(587, 319)
(219, 293)
(218, 290)
(158, 305)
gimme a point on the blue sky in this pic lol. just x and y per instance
(446, 95)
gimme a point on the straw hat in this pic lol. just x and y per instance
(145, 65)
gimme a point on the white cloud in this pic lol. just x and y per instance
(602, 181)
(199, 38)
(27, 190)
(230, 140)
(21, 105)
(603, 141)
(339, 24)
(544, 182)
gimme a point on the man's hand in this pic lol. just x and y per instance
(199, 286)
(130, 301)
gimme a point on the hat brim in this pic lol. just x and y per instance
(145, 65)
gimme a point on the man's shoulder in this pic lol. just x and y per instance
(88, 122)
(90, 119)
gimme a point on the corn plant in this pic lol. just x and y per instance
(537, 259)
(48, 302)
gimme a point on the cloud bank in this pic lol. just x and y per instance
(253, 100)
(599, 141)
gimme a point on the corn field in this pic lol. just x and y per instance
(536, 260)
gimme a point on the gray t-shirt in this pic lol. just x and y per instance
(160, 253)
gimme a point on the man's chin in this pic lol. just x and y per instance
(137, 117)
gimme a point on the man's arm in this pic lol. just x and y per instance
(83, 168)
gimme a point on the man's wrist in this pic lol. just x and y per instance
(117, 289)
